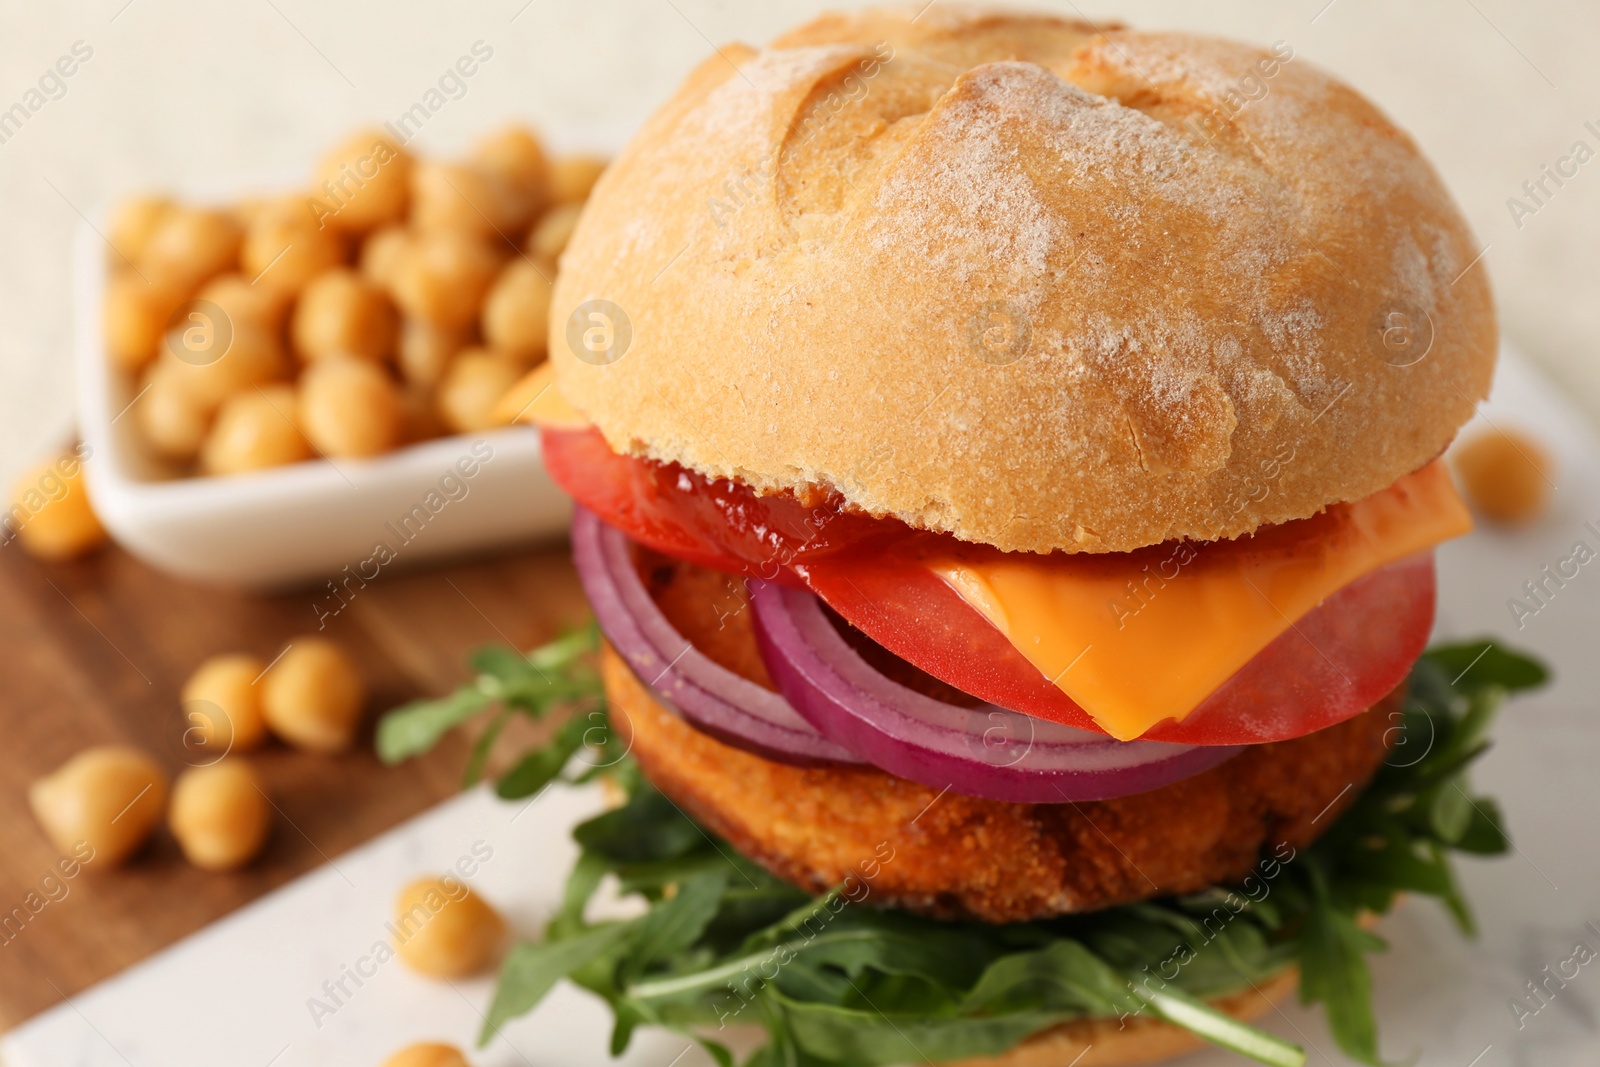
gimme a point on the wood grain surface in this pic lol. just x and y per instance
(96, 652)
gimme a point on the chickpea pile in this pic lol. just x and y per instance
(103, 804)
(395, 300)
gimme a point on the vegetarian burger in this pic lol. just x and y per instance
(1006, 463)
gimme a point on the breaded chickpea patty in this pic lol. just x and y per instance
(955, 856)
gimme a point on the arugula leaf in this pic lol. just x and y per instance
(416, 727)
(648, 827)
(1202, 1020)
(676, 924)
(1488, 663)
(532, 970)
(1062, 976)
(539, 767)
(1333, 971)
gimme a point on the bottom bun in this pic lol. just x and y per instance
(1110, 1043)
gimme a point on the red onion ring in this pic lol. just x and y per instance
(715, 700)
(985, 751)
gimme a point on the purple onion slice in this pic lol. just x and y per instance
(985, 751)
(710, 697)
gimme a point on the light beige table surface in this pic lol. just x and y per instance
(182, 93)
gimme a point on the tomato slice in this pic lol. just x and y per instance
(713, 522)
(1334, 663)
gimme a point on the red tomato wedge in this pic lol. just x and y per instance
(1332, 664)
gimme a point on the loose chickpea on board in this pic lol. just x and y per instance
(222, 703)
(108, 798)
(445, 930)
(220, 815)
(51, 513)
(1506, 475)
(427, 1054)
(313, 696)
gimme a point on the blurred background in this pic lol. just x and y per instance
(188, 96)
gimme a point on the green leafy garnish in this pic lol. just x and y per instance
(837, 982)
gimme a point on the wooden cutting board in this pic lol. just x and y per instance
(96, 651)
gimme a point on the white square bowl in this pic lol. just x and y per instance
(304, 522)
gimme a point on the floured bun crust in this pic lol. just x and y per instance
(1003, 276)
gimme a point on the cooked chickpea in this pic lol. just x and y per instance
(222, 703)
(516, 313)
(349, 407)
(258, 306)
(135, 220)
(572, 178)
(340, 313)
(284, 249)
(427, 1054)
(381, 254)
(255, 430)
(425, 350)
(1506, 475)
(460, 197)
(188, 246)
(254, 356)
(445, 930)
(58, 522)
(475, 382)
(363, 183)
(419, 415)
(171, 422)
(551, 233)
(108, 798)
(136, 314)
(443, 276)
(313, 696)
(515, 159)
(220, 815)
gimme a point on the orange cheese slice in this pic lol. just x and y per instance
(535, 398)
(1139, 637)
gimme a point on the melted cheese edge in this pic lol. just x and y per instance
(1151, 639)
